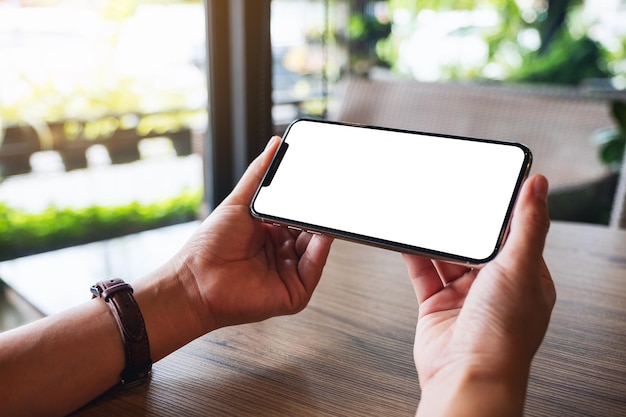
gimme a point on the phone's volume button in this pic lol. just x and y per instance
(276, 224)
(313, 232)
(294, 228)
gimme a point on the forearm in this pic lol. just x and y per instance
(57, 364)
(472, 393)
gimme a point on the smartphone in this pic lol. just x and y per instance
(444, 197)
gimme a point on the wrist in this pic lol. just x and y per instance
(168, 299)
(472, 390)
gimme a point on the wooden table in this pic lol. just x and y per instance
(349, 353)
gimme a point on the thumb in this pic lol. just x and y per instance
(530, 223)
(251, 179)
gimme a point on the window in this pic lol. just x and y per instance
(309, 57)
(102, 117)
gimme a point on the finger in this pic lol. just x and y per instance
(313, 261)
(286, 258)
(530, 223)
(424, 276)
(450, 272)
(302, 241)
(249, 182)
(299, 266)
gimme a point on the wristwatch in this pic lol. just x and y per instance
(119, 296)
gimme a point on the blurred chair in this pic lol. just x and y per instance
(557, 124)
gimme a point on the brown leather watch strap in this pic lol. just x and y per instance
(119, 296)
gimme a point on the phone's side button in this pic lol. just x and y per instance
(294, 228)
(276, 224)
(313, 232)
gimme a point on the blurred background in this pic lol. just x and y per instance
(107, 118)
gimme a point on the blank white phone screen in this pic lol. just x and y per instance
(442, 194)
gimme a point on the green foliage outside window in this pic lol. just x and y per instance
(562, 52)
(567, 61)
(28, 233)
(167, 98)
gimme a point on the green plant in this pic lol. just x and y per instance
(552, 42)
(27, 233)
(566, 61)
(365, 33)
(612, 142)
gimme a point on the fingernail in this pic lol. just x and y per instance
(540, 187)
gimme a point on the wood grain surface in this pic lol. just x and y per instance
(349, 353)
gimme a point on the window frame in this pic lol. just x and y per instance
(239, 80)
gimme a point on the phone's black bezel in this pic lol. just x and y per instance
(382, 243)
